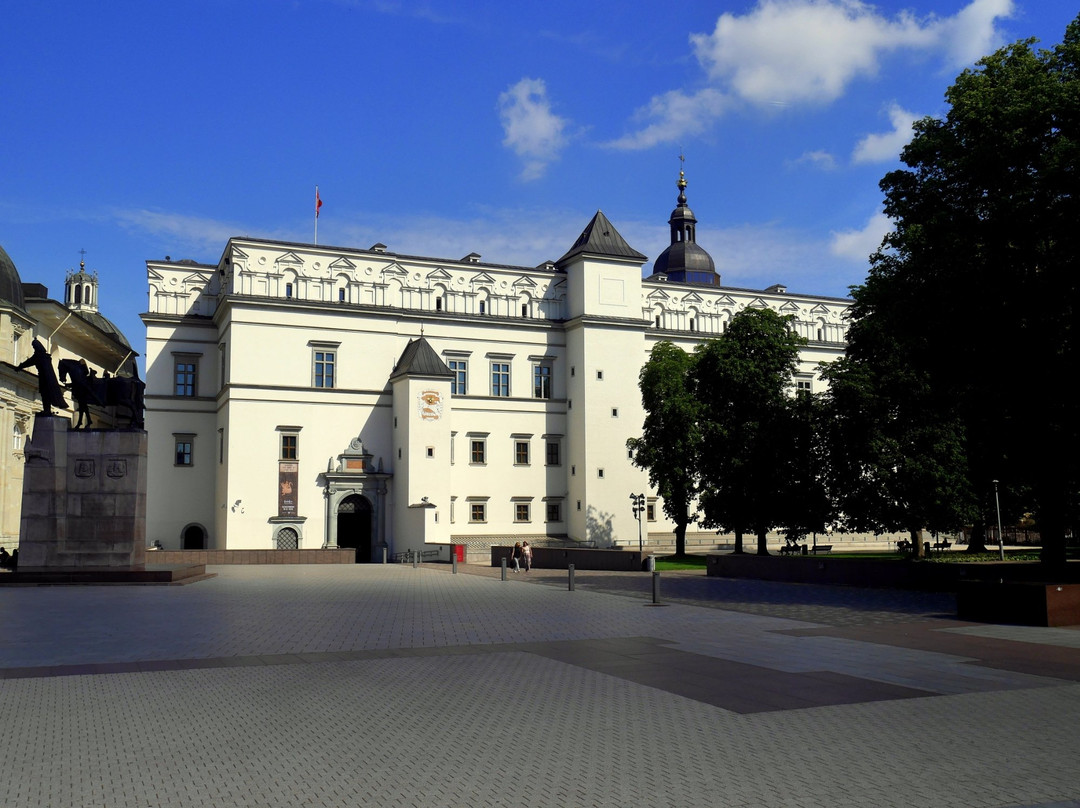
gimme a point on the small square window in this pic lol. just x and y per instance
(184, 447)
(430, 451)
(477, 511)
(599, 375)
(554, 512)
(600, 473)
(521, 453)
(521, 512)
(478, 451)
(650, 510)
(614, 412)
(289, 446)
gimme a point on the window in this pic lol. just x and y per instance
(324, 368)
(220, 446)
(221, 364)
(524, 309)
(599, 375)
(478, 451)
(521, 512)
(542, 381)
(803, 386)
(287, 539)
(184, 446)
(187, 373)
(600, 473)
(614, 412)
(430, 451)
(650, 510)
(500, 379)
(438, 304)
(521, 453)
(554, 450)
(477, 511)
(459, 384)
(453, 442)
(483, 307)
(288, 290)
(692, 324)
(554, 511)
(289, 446)
(453, 507)
(341, 295)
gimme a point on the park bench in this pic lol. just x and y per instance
(942, 545)
(791, 549)
(821, 548)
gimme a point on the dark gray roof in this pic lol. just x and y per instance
(10, 285)
(420, 359)
(601, 238)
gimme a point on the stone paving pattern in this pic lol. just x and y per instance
(393, 686)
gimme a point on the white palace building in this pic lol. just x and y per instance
(312, 396)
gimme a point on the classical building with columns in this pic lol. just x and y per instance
(313, 396)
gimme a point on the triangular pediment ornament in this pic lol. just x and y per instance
(791, 307)
(197, 278)
(724, 300)
(439, 274)
(757, 303)
(154, 275)
(693, 297)
(289, 258)
(395, 270)
(482, 278)
(524, 280)
(821, 309)
(658, 294)
(342, 264)
(237, 253)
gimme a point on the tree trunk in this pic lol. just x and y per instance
(738, 541)
(762, 548)
(1051, 515)
(917, 548)
(680, 539)
(977, 539)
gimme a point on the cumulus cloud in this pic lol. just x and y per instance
(859, 245)
(532, 130)
(808, 52)
(886, 146)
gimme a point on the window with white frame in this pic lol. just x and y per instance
(521, 451)
(477, 449)
(478, 510)
(459, 384)
(542, 380)
(553, 450)
(553, 510)
(500, 379)
(522, 511)
(186, 374)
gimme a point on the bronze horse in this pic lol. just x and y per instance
(115, 392)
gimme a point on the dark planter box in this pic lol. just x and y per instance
(1027, 603)
(560, 558)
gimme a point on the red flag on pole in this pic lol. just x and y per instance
(318, 203)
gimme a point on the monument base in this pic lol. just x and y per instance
(159, 574)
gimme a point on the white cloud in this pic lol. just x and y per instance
(532, 130)
(807, 52)
(859, 245)
(819, 159)
(881, 148)
(186, 232)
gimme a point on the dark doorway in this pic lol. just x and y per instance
(194, 538)
(354, 526)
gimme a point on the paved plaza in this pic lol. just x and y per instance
(375, 685)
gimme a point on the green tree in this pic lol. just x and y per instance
(670, 441)
(742, 383)
(805, 506)
(978, 284)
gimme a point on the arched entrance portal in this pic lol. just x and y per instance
(193, 538)
(354, 526)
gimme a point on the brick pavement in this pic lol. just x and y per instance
(372, 685)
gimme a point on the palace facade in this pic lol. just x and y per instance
(313, 396)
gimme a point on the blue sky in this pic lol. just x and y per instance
(137, 130)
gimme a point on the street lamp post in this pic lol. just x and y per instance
(1001, 539)
(638, 501)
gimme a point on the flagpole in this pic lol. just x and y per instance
(316, 214)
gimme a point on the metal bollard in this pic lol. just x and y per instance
(656, 587)
(453, 562)
(570, 569)
(384, 555)
(502, 561)
(415, 558)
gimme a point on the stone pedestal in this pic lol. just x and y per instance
(84, 498)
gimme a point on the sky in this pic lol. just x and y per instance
(139, 130)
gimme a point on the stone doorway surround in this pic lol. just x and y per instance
(355, 473)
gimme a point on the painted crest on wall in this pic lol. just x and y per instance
(430, 404)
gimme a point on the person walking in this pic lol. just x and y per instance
(526, 555)
(515, 556)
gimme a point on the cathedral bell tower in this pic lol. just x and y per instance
(81, 290)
